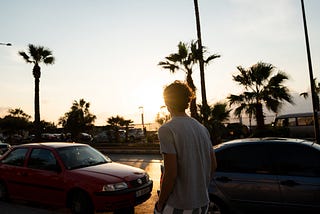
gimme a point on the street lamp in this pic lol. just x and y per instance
(313, 91)
(142, 118)
(7, 44)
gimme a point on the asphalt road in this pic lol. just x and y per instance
(150, 163)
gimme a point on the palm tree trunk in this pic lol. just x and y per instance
(259, 116)
(36, 74)
(201, 63)
(193, 103)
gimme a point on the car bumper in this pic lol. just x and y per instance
(109, 201)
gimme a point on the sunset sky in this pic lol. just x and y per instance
(107, 51)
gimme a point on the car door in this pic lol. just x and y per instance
(13, 171)
(45, 179)
(245, 176)
(299, 175)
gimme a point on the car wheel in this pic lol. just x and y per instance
(3, 192)
(129, 210)
(216, 206)
(81, 203)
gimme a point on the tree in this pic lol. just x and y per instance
(260, 88)
(317, 90)
(78, 119)
(126, 124)
(186, 57)
(37, 54)
(217, 115)
(116, 123)
(16, 122)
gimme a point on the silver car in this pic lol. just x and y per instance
(268, 175)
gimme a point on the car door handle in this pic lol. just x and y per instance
(289, 183)
(223, 179)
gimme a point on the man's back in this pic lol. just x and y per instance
(190, 141)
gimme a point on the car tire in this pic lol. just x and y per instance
(4, 196)
(216, 206)
(81, 203)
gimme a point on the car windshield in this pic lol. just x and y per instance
(81, 156)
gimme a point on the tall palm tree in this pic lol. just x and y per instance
(260, 88)
(201, 63)
(186, 57)
(36, 55)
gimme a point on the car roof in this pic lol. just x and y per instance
(53, 145)
(304, 114)
(266, 140)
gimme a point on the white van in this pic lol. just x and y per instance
(299, 125)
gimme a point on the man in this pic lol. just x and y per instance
(188, 156)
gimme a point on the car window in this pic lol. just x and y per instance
(296, 160)
(16, 157)
(81, 156)
(42, 159)
(244, 159)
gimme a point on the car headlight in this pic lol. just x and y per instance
(114, 187)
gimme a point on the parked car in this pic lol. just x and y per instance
(102, 137)
(71, 175)
(237, 130)
(268, 175)
(135, 134)
(4, 147)
(85, 138)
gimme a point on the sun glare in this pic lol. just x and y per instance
(148, 99)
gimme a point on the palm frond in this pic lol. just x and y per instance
(25, 56)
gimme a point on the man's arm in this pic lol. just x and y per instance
(168, 179)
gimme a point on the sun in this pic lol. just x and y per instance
(148, 98)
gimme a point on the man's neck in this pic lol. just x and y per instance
(179, 114)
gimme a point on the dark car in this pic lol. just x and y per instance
(4, 147)
(267, 175)
(71, 175)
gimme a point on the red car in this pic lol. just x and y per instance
(71, 175)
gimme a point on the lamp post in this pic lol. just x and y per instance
(313, 91)
(142, 118)
(7, 44)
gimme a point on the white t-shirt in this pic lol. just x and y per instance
(190, 141)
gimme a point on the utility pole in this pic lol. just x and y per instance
(313, 91)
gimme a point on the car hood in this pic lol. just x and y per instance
(113, 169)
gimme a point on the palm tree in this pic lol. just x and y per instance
(260, 88)
(186, 57)
(217, 115)
(78, 119)
(37, 54)
(201, 63)
(248, 107)
(116, 123)
(126, 124)
(317, 90)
